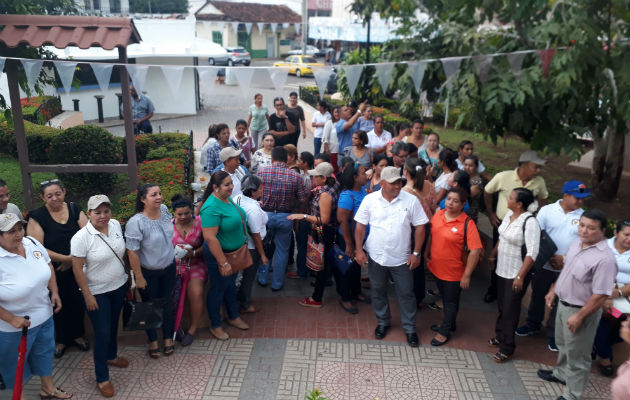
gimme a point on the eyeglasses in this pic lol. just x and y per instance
(50, 182)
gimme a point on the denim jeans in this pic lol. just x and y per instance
(142, 127)
(222, 290)
(280, 228)
(105, 325)
(317, 145)
(160, 285)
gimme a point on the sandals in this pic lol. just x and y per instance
(154, 353)
(501, 358)
(57, 394)
(494, 342)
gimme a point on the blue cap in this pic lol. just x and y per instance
(576, 188)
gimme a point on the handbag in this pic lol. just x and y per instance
(339, 259)
(241, 258)
(139, 315)
(315, 250)
(546, 249)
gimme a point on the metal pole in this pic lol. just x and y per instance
(367, 49)
(130, 139)
(304, 22)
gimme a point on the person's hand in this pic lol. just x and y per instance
(363, 105)
(264, 260)
(430, 170)
(494, 220)
(141, 283)
(574, 322)
(349, 250)
(413, 261)
(556, 261)
(90, 302)
(281, 113)
(608, 305)
(64, 266)
(295, 217)
(360, 257)
(369, 173)
(55, 300)
(20, 322)
(550, 299)
(492, 262)
(464, 283)
(517, 285)
(225, 270)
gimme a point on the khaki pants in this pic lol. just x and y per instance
(574, 350)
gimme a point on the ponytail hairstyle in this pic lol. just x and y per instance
(448, 157)
(179, 201)
(415, 169)
(525, 197)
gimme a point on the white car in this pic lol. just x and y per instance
(310, 51)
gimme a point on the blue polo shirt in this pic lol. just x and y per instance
(344, 137)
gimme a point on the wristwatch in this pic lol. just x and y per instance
(518, 277)
(304, 216)
(416, 253)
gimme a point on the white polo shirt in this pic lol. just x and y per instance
(377, 142)
(24, 284)
(103, 270)
(389, 241)
(561, 227)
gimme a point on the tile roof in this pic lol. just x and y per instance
(63, 31)
(250, 12)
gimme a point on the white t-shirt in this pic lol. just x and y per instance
(319, 118)
(480, 168)
(389, 241)
(256, 217)
(378, 142)
(442, 182)
(103, 270)
(330, 136)
(24, 284)
(623, 263)
(12, 209)
(561, 227)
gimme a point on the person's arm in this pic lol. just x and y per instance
(249, 121)
(359, 236)
(594, 303)
(145, 118)
(418, 240)
(259, 248)
(492, 216)
(349, 123)
(34, 229)
(343, 217)
(210, 236)
(79, 276)
(134, 262)
(427, 252)
(471, 264)
(486, 175)
(83, 219)
(55, 300)
(532, 244)
(290, 127)
(15, 321)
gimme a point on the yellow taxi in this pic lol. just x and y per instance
(299, 64)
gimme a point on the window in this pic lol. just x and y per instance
(217, 37)
(243, 40)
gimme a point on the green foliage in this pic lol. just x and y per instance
(158, 6)
(38, 138)
(315, 394)
(86, 144)
(171, 141)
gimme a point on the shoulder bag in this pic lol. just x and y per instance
(241, 258)
(315, 248)
(547, 248)
(465, 249)
(139, 315)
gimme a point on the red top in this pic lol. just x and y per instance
(193, 238)
(447, 243)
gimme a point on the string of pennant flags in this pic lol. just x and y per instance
(278, 76)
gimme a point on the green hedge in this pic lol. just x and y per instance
(38, 137)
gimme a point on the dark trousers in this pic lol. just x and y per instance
(607, 335)
(222, 291)
(541, 282)
(324, 275)
(349, 284)
(317, 145)
(69, 320)
(160, 285)
(244, 293)
(105, 325)
(419, 277)
(301, 238)
(450, 292)
(509, 304)
(492, 289)
(142, 127)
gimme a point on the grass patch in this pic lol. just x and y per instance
(10, 172)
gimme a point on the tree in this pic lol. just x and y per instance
(585, 92)
(158, 6)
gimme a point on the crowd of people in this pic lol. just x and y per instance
(398, 205)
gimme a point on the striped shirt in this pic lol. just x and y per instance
(283, 188)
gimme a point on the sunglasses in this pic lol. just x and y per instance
(50, 182)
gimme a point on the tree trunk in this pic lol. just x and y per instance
(607, 162)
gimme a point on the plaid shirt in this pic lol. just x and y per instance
(283, 188)
(213, 154)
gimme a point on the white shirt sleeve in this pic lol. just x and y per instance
(363, 214)
(532, 237)
(78, 245)
(418, 216)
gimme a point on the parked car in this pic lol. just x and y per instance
(234, 56)
(299, 65)
(310, 51)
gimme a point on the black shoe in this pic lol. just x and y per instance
(381, 331)
(328, 283)
(412, 339)
(59, 352)
(547, 375)
(82, 346)
(277, 290)
(437, 343)
(436, 328)
(607, 370)
(489, 297)
(2, 385)
(561, 398)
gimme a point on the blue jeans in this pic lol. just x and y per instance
(105, 325)
(222, 290)
(280, 228)
(40, 347)
(160, 285)
(317, 145)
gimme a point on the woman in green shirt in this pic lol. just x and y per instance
(258, 120)
(222, 232)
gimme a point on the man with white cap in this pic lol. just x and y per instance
(526, 175)
(391, 214)
(230, 157)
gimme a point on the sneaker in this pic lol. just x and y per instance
(525, 331)
(308, 302)
(552, 345)
(293, 275)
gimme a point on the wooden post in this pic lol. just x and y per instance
(20, 133)
(130, 138)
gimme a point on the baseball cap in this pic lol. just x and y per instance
(229, 152)
(531, 156)
(322, 169)
(391, 174)
(7, 221)
(576, 188)
(96, 201)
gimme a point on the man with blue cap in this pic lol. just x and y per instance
(560, 220)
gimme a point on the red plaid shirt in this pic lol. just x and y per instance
(283, 188)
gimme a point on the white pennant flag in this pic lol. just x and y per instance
(285, 25)
(220, 25)
(416, 70)
(173, 77)
(248, 28)
(244, 78)
(274, 28)
(516, 63)
(321, 79)
(353, 74)
(2, 60)
(207, 76)
(138, 74)
(297, 28)
(66, 73)
(261, 26)
(384, 74)
(279, 77)
(103, 73)
(483, 64)
(32, 69)
(235, 26)
(450, 65)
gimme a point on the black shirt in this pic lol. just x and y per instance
(279, 125)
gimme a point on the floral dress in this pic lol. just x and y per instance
(193, 238)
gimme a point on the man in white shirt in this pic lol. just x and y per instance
(391, 214)
(5, 196)
(378, 137)
(230, 157)
(560, 220)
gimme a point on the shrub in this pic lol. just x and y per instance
(392, 120)
(172, 141)
(38, 137)
(86, 144)
(40, 109)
